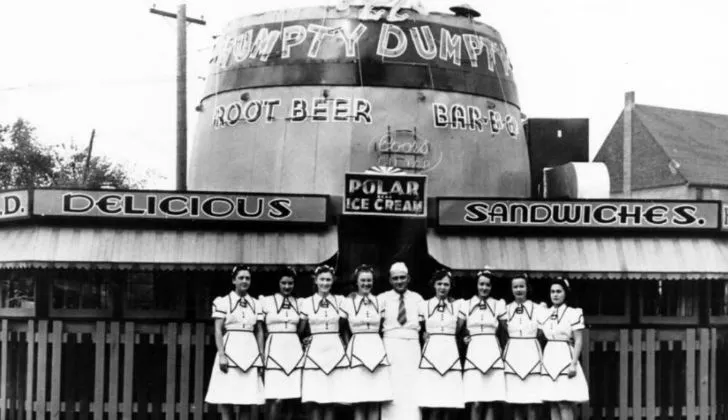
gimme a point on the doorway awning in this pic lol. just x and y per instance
(166, 249)
(673, 258)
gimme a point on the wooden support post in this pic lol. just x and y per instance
(4, 333)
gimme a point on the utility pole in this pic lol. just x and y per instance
(88, 157)
(182, 20)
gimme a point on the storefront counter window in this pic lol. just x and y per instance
(669, 301)
(604, 301)
(718, 301)
(81, 293)
(159, 294)
(17, 293)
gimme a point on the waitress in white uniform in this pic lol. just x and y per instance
(369, 377)
(323, 381)
(236, 375)
(522, 355)
(483, 377)
(441, 377)
(565, 381)
(283, 356)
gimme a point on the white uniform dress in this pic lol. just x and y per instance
(283, 357)
(368, 378)
(483, 377)
(324, 366)
(441, 374)
(241, 385)
(558, 326)
(522, 355)
(402, 343)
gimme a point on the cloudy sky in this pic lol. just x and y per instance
(76, 65)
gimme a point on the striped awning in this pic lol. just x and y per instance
(152, 249)
(672, 258)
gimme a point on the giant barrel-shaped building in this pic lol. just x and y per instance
(296, 98)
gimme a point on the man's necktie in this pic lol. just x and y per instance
(402, 314)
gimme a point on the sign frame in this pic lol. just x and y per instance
(564, 227)
(422, 177)
(38, 206)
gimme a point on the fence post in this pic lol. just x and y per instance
(623, 374)
(57, 345)
(650, 374)
(690, 374)
(585, 349)
(4, 369)
(713, 374)
(99, 370)
(704, 373)
(113, 408)
(127, 395)
(184, 397)
(171, 370)
(40, 407)
(637, 373)
(199, 370)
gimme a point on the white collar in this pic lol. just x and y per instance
(560, 311)
(527, 306)
(317, 299)
(359, 300)
(434, 303)
(475, 304)
(279, 300)
(235, 299)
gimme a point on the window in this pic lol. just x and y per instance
(669, 301)
(718, 301)
(155, 293)
(17, 293)
(81, 293)
(603, 301)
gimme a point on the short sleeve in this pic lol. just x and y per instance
(382, 301)
(219, 308)
(577, 319)
(422, 310)
(346, 306)
(463, 308)
(500, 310)
(258, 309)
(305, 307)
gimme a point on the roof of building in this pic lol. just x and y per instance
(670, 147)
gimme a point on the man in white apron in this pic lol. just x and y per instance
(401, 328)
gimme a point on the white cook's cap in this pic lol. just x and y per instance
(398, 267)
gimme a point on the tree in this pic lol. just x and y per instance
(25, 163)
